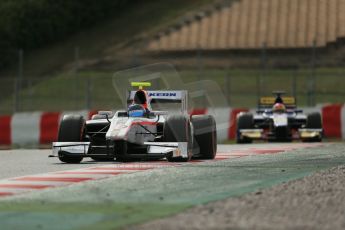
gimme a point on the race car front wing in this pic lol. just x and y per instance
(177, 149)
(300, 134)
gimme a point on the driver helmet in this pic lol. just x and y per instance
(278, 108)
(136, 110)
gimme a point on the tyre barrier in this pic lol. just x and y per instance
(41, 128)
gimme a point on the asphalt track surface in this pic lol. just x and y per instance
(40, 193)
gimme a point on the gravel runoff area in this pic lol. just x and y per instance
(314, 202)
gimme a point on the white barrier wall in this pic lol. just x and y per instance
(41, 128)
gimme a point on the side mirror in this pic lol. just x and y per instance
(105, 113)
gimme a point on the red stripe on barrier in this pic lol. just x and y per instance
(5, 130)
(198, 111)
(49, 126)
(331, 117)
(232, 125)
(58, 179)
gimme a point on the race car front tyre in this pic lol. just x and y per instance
(121, 148)
(102, 158)
(205, 136)
(244, 121)
(72, 129)
(314, 121)
(177, 128)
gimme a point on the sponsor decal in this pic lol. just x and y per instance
(162, 94)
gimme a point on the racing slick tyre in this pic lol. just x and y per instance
(314, 121)
(102, 158)
(177, 128)
(72, 129)
(244, 121)
(205, 136)
(121, 148)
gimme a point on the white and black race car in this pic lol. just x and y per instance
(278, 119)
(139, 132)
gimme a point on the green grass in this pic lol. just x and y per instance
(69, 91)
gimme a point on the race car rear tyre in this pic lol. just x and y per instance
(244, 121)
(177, 128)
(205, 136)
(72, 129)
(314, 121)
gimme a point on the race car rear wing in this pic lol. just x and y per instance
(164, 96)
(268, 102)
